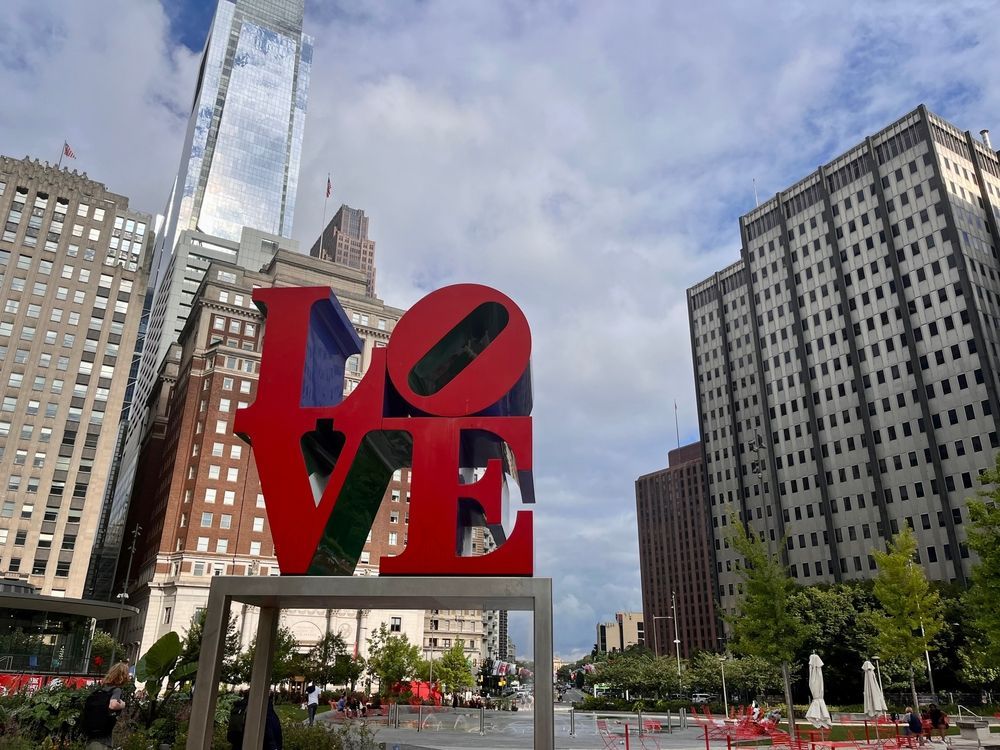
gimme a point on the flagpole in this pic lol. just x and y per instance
(326, 200)
(61, 152)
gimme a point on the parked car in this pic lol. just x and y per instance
(699, 698)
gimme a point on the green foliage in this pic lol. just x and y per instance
(348, 670)
(838, 628)
(748, 675)
(286, 663)
(192, 649)
(911, 613)
(984, 539)
(452, 670)
(158, 662)
(52, 712)
(908, 603)
(391, 658)
(321, 661)
(103, 645)
(766, 625)
(348, 736)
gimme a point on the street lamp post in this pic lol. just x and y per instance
(725, 696)
(927, 656)
(656, 643)
(878, 672)
(124, 594)
(677, 640)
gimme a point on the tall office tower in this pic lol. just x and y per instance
(624, 631)
(239, 169)
(204, 513)
(846, 366)
(345, 240)
(240, 163)
(73, 265)
(675, 555)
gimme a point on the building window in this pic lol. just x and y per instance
(393, 537)
(206, 520)
(166, 614)
(258, 523)
(255, 548)
(202, 544)
(221, 545)
(395, 624)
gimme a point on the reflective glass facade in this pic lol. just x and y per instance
(239, 169)
(241, 159)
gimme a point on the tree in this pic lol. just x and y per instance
(348, 670)
(191, 647)
(286, 662)
(911, 612)
(391, 658)
(766, 625)
(452, 669)
(101, 647)
(838, 629)
(323, 657)
(984, 539)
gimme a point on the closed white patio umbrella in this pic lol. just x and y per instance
(874, 700)
(818, 714)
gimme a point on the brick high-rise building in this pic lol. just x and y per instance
(847, 365)
(345, 240)
(73, 265)
(201, 510)
(676, 560)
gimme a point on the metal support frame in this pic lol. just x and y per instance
(274, 593)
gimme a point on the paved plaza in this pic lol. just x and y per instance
(457, 729)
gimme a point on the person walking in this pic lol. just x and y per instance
(102, 708)
(312, 701)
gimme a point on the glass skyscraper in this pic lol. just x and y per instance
(238, 174)
(240, 163)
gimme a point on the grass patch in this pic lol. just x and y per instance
(293, 712)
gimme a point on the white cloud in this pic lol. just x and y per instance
(589, 159)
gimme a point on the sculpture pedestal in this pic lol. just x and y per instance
(274, 593)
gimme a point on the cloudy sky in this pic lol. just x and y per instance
(590, 159)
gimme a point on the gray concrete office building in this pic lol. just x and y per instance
(846, 366)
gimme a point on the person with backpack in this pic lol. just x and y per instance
(237, 722)
(102, 707)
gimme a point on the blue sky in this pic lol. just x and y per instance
(589, 159)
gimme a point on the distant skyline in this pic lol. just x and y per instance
(589, 160)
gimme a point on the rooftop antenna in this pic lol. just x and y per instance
(677, 429)
(756, 202)
(986, 138)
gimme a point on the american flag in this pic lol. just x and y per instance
(68, 150)
(329, 186)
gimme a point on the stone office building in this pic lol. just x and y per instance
(73, 274)
(847, 365)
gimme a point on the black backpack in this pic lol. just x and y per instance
(237, 720)
(98, 719)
